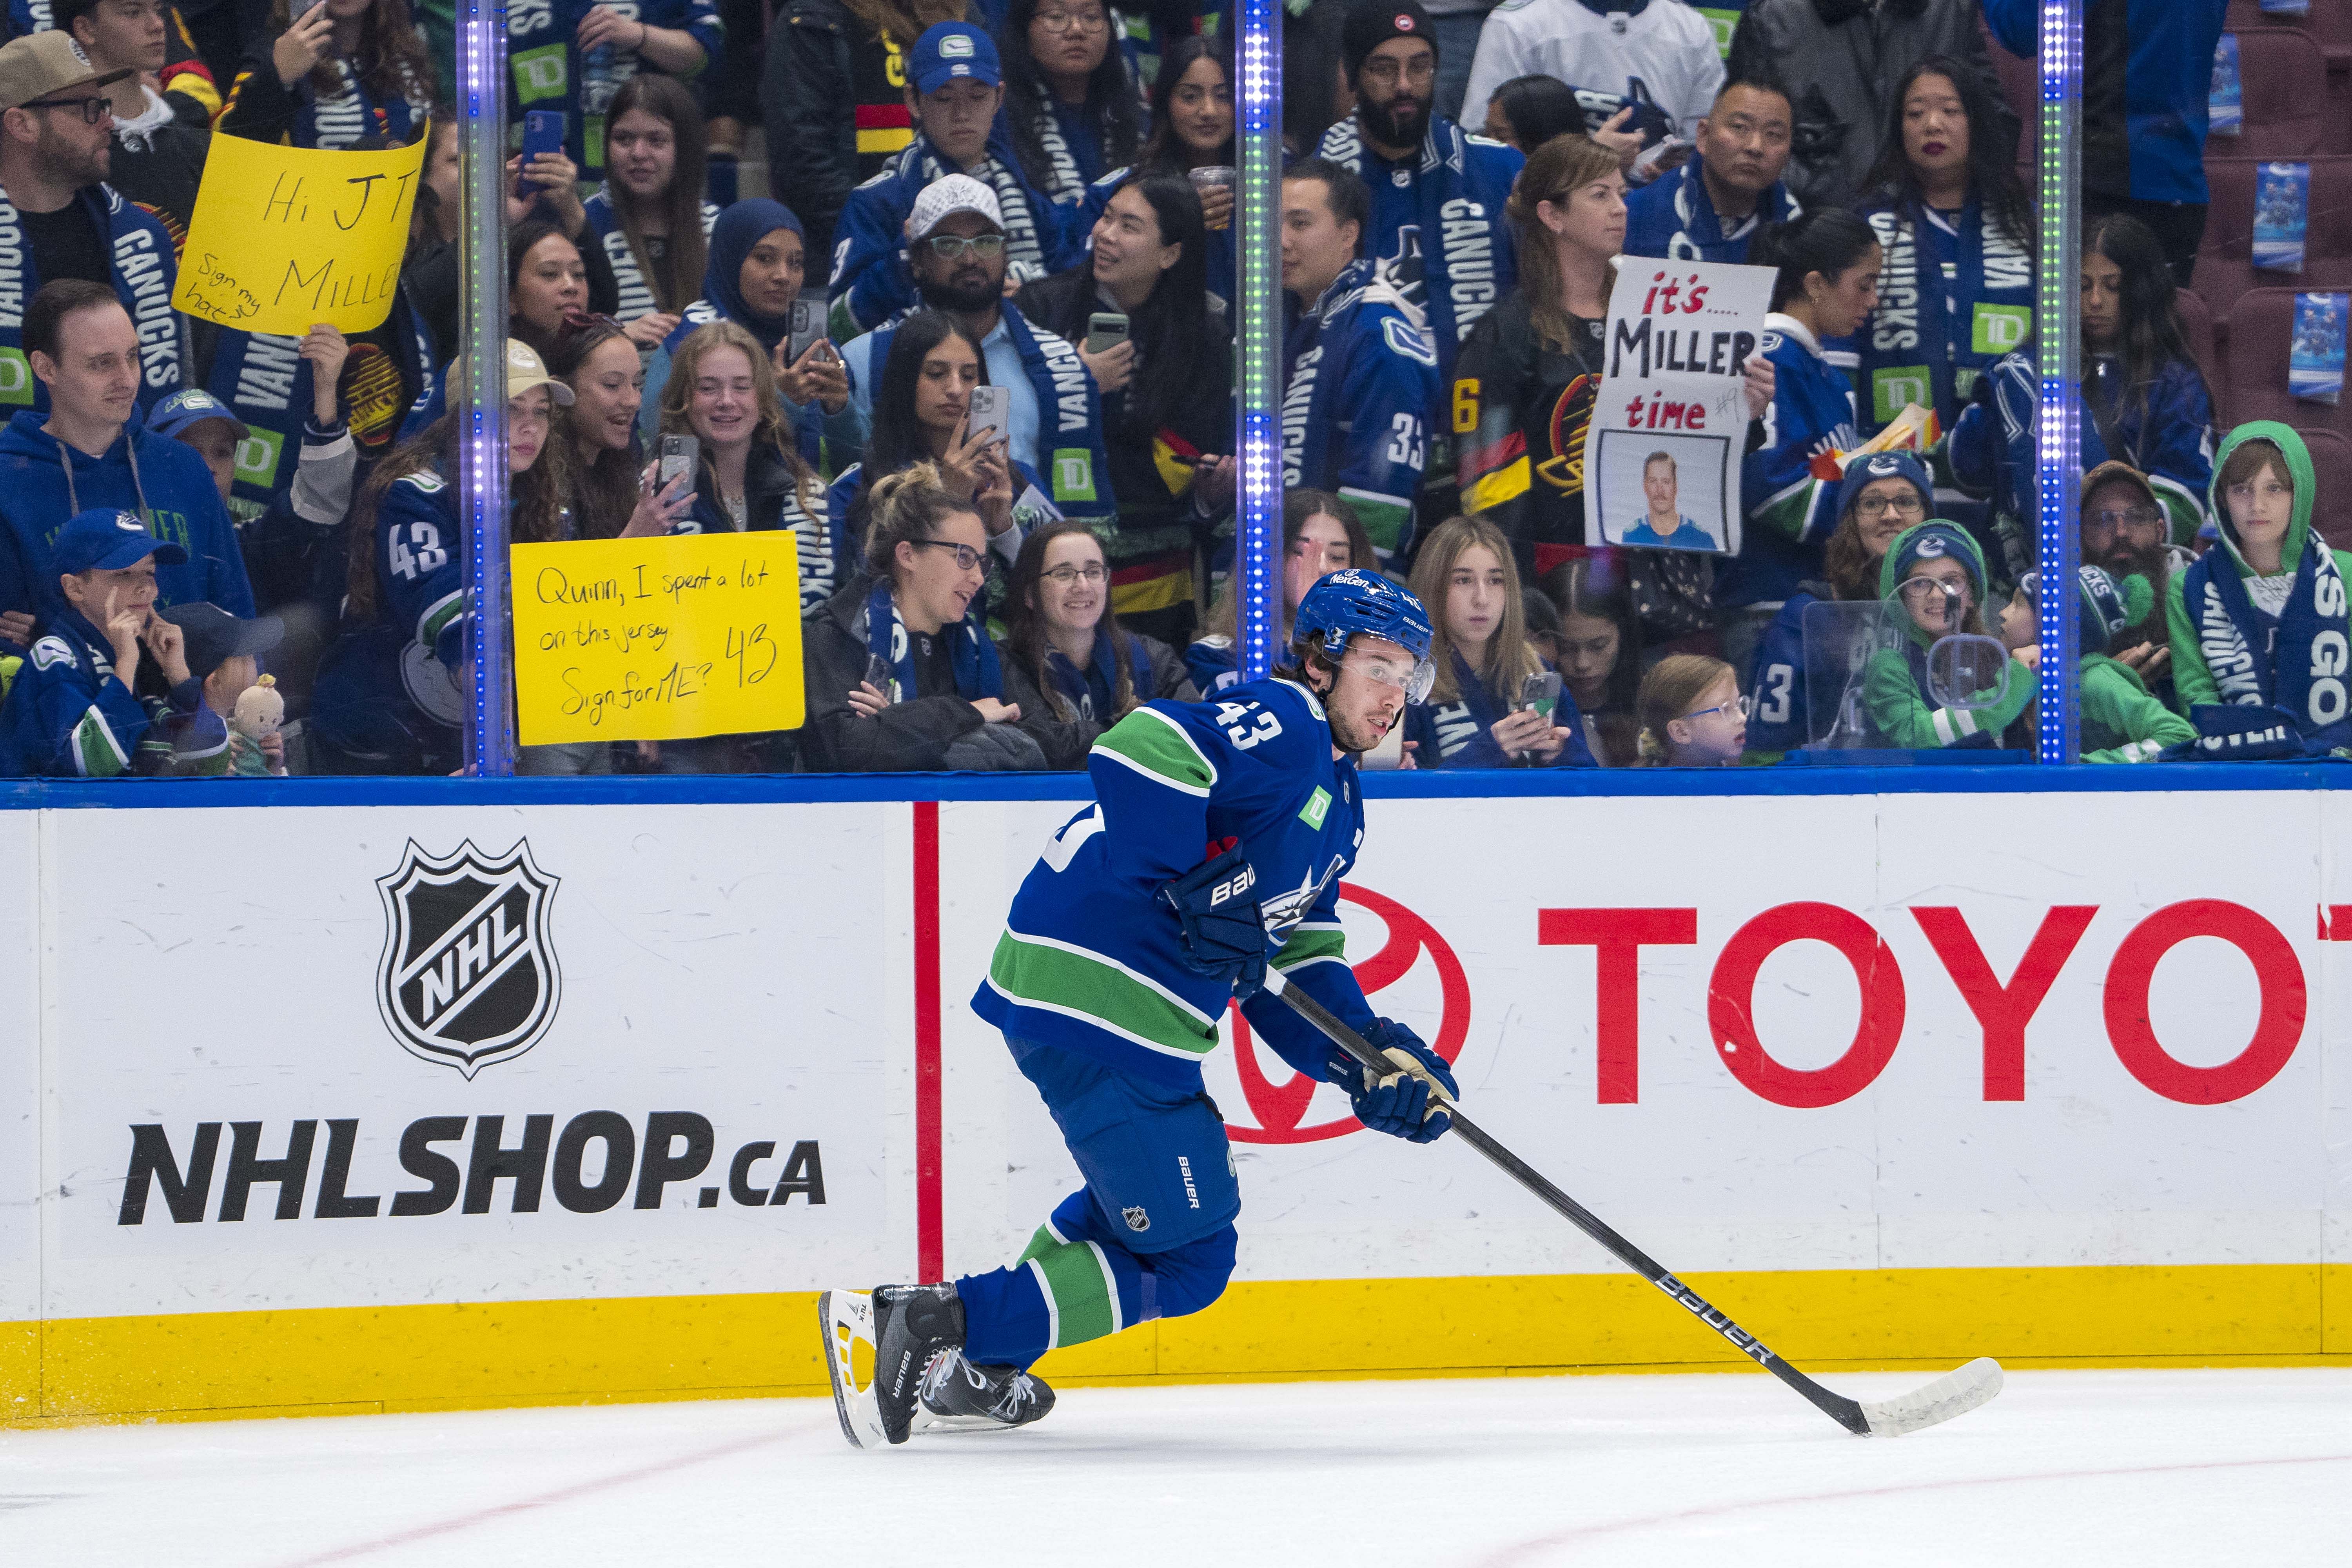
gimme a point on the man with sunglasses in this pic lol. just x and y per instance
(59, 219)
(954, 89)
(1213, 849)
(958, 253)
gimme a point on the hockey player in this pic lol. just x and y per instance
(1437, 227)
(1359, 371)
(1121, 950)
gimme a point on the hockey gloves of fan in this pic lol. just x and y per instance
(1223, 929)
(1406, 1103)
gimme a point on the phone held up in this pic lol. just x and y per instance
(990, 412)
(1105, 330)
(679, 454)
(542, 131)
(808, 327)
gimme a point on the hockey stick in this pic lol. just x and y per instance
(1955, 1394)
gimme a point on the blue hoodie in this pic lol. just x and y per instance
(69, 716)
(2161, 80)
(43, 482)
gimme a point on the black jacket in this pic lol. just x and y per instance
(911, 736)
(1067, 742)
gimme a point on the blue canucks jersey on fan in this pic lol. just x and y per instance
(1362, 374)
(1091, 961)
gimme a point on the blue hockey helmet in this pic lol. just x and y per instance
(1346, 603)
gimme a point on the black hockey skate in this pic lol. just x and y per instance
(901, 1329)
(958, 1396)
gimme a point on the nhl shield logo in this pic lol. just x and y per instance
(467, 976)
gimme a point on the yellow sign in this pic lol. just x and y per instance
(285, 237)
(658, 639)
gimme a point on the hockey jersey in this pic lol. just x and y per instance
(1655, 51)
(636, 291)
(1438, 231)
(1791, 510)
(1361, 377)
(1092, 961)
(68, 716)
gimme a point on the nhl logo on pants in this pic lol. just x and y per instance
(1136, 1218)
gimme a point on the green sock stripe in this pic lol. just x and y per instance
(1078, 1292)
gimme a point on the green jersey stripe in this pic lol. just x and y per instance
(1204, 1020)
(1155, 746)
(1093, 992)
(1309, 943)
(96, 753)
(436, 619)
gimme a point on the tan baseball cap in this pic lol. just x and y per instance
(526, 370)
(39, 64)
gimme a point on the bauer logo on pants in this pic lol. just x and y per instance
(468, 977)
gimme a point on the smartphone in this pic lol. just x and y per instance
(1540, 693)
(679, 454)
(991, 410)
(1105, 330)
(808, 326)
(542, 131)
(877, 675)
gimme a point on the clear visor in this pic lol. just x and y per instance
(1413, 680)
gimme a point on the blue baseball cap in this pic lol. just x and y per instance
(192, 406)
(953, 51)
(105, 538)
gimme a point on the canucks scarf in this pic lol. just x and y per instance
(338, 121)
(1478, 266)
(265, 380)
(1092, 693)
(145, 271)
(1067, 183)
(1069, 412)
(1928, 340)
(1697, 232)
(2295, 662)
(637, 295)
(977, 673)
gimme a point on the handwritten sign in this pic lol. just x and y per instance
(285, 237)
(1661, 455)
(656, 639)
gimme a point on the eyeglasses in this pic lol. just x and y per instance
(1918, 590)
(93, 110)
(1385, 72)
(2138, 519)
(948, 246)
(966, 558)
(1414, 682)
(1744, 706)
(1901, 506)
(1073, 21)
(1065, 575)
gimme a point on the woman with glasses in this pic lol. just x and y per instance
(1069, 666)
(1495, 703)
(751, 279)
(1884, 493)
(1933, 581)
(1692, 714)
(901, 673)
(1320, 534)
(920, 412)
(342, 71)
(1192, 139)
(1827, 285)
(1067, 98)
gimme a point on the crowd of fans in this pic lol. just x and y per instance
(1035, 200)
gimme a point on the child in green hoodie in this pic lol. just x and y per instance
(1933, 581)
(2261, 622)
(2122, 721)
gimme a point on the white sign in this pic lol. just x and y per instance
(1661, 455)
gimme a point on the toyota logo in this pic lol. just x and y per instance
(1278, 1097)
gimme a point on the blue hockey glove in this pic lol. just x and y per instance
(1224, 931)
(1397, 1104)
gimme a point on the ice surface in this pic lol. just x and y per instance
(2139, 1467)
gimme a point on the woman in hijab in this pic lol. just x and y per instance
(753, 277)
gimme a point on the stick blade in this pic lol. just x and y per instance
(1954, 1394)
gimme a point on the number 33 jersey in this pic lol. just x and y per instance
(1092, 961)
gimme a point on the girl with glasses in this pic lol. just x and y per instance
(1933, 581)
(1884, 493)
(1692, 714)
(1069, 666)
(1068, 100)
(1477, 714)
(901, 673)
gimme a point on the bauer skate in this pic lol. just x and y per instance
(958, 1396)
(877, 1346)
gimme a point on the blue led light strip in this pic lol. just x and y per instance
(478, 391)
(1258, 553)
(2059, 333)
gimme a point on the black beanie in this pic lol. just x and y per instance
(1375, 22)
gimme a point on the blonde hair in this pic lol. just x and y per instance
(1554, 170)
(1673, 683)
(1510, 659)
(774, 425)
(907, 507)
